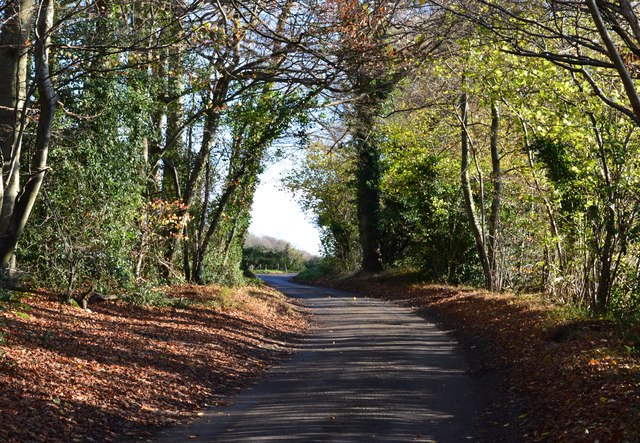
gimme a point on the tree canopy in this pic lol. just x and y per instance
(479, 141)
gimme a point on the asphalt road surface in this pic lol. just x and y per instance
(371, 372)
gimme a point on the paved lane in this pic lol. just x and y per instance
(371, 372)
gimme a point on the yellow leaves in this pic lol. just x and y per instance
(604, 361)
(166, 218)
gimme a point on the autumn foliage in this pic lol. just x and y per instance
(539, 374)
(123, 372)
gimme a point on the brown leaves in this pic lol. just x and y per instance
(576, 379)
(124, 371)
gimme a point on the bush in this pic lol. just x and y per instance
(318, 269)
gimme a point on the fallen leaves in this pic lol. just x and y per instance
(567, 380)
(71, 375)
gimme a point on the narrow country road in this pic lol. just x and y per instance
(371, 372)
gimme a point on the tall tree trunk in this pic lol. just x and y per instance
(368, 182)
(197, 271)
(14, 56)
(22, 204)
(227, 246)
(605, 260)
(468, 192)
(496, 200)
(600, 303)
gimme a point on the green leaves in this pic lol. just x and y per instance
(12, 301)
(555, 156)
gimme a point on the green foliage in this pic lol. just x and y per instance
(156, 155)
(598, 204)
(424, 224)
(562, 171)
(555, 155)
(324, 185)
(12, 301)
(327, 267)
(287, 259)
(91, 200)
(223, 261)
(146, 296)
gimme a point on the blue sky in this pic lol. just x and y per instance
(276, 213)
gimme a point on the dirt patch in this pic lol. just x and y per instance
(538, 376)
(122, 372)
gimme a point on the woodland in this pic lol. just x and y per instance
(265, 253)
(477, 143)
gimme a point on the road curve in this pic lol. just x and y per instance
(371, 372)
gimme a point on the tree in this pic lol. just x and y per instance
(324, 185)
(590, 38)
(583, 251)
(280, 255)
(254, 63)
(16, 96)
(425, 225)
(377, 47)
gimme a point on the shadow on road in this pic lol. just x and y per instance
(372, 371)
